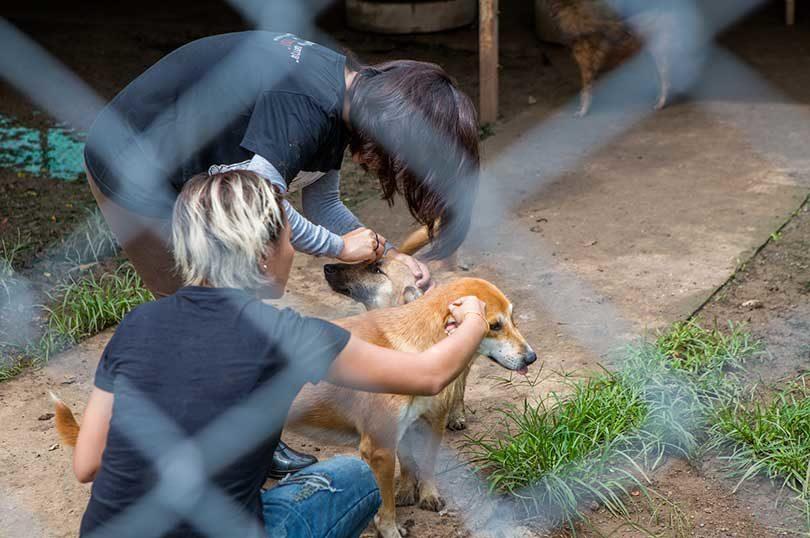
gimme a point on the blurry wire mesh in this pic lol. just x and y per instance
(186, 464)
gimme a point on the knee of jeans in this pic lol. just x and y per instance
(357, 469)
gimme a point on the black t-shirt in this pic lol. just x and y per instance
(219, 100)
(218, 369)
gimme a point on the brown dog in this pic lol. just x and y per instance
(380, 420)
(601, 38)
(387, 283)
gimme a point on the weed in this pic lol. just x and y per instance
(485, 131)
(92, 241)
(608, 431)
(8, 256)
(690, 346)
(587, 445)
(769, 438)
(17, 358)
(90, 305)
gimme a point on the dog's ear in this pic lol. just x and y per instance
(411, 293)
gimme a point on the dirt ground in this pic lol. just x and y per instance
(635, 234)
(771, 295)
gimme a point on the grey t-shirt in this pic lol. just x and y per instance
(220, 99)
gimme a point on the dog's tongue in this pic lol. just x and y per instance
(523, 370)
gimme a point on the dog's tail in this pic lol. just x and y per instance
(415, 241)
(66, 424)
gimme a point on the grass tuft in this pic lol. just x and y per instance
(692, 347)
(90, 242)
(606, 432)
(8, 257)
(769, 437)
(89, 305)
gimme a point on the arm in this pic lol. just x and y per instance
(306, 236)
(93, 435)
(357, 244)
(365, 366)
(322, 205)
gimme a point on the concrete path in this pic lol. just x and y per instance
(634, 233)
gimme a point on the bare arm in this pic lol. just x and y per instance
(369, 367)
(92, 436)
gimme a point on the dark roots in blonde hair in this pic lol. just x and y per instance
(412, 127)
(221, 225)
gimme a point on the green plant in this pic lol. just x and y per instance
(609, 430)
(8, 256)
(16, 357)
(92, 241)
(587, 445)
(485, 131)
(769, 437)
(690, 346)
(89, 305)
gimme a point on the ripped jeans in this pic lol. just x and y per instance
(336, 498)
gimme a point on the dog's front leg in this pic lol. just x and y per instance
(429, 497)
(590, 57)
(408, 467)
(382, 461)
(457, 418)
(661, 60)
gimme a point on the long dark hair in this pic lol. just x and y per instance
(413, 128)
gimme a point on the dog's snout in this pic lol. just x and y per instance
(330, 269)
(531, 357)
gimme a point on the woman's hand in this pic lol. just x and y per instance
(467, 307)
(420, 270)
(362, 245)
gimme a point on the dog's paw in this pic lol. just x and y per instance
(429, 499)
(390, 530)
(581, 113)
(457, 422)
(661, 103)
(406, 493)
(432, 503)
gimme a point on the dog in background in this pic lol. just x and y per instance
(602, 34)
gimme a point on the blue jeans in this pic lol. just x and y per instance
(336, 498)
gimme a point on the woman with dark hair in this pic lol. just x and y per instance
(286, 109)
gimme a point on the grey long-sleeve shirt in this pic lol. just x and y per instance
(327, 218)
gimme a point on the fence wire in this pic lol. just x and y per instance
(186, 464)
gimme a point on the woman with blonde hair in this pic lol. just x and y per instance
(192, 390)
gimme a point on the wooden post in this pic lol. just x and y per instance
(488, 60)
(790, 12)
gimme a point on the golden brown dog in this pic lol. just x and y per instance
(379, 421)
(388, 283)
(600, 38)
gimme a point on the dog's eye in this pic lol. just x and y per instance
(495, 326)
(376, 270)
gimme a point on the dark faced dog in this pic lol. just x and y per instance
(603, 34)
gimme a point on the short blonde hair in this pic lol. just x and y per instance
(221, 226)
